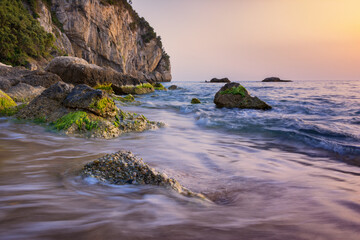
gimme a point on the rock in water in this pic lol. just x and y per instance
(84, 112)
(124, 168)
(233, 95)
(220, 80)
(195, 101)
(275, 79)
(173, 87)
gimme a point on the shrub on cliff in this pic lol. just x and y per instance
(21, 36)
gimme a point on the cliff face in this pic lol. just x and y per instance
(107, 35)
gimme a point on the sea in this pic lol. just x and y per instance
(292, 172)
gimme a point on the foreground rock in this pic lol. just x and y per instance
(124, 168)
(78, 71)
(275, 79)
(219, 80)
(233, 95)
(83, 112)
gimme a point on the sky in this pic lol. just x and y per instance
(254, 39)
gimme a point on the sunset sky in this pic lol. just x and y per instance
(254, 39)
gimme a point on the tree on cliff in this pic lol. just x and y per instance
(21, 36)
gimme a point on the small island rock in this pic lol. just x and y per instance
(275, 79)
(173, 87)
(219, 80)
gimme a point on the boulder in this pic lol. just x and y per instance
(173, 87)
(124, 168)
(48, 106)
(233, 95)
(275, 79)
(78, 71)
(5, 84)
(23, 92)
(40, 78)
(86, 98)
(220, 80)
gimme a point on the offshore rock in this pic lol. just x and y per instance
(233, 95)
(275, 79)
(124, 168)
(220, 80)
(173, 87)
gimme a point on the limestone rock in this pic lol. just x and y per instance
(78, 71)
(108, 35)
(5, 84)
(23, 92)
(233, 95)
(124, 168)
(40, 78)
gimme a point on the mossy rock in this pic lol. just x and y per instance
(138, 90)
(128, 98)
(7, 105)
(159, 86)
(234, 95)
(105, 87)
(195, 101)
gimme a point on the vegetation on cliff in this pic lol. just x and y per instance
(21, 36)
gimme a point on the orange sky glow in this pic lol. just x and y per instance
(253, 39)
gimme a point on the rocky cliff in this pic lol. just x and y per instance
(106, 33)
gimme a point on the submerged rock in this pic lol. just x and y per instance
(195, 101)
(124, 168)
(233, 95)
(275, 79)
(220, 80)
(84, 112)
(23, 92)
(173, 87)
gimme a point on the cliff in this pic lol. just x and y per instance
(107, 33)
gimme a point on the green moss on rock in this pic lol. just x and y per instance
(195, 101)
(159, 86)
(105, 87)
(240, 90)
(127, 98)
(7, 105)
(81, 119)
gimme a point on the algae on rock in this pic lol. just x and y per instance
(6, 103)
(124, 168)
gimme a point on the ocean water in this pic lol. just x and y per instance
(288, 173)
(320, 115)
